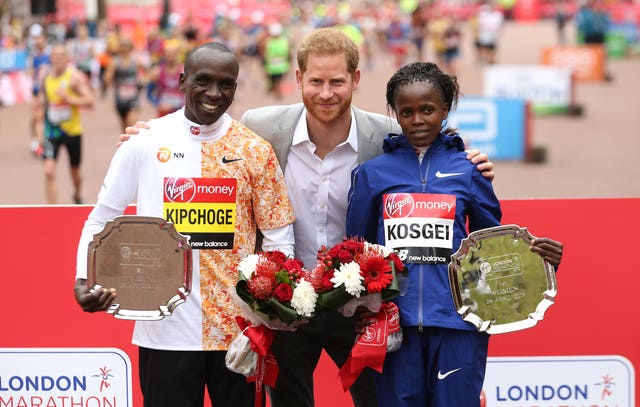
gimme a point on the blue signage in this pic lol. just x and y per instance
(13, 60)
(496, 126)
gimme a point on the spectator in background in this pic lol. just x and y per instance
(561, 16)
(155, 45)
(277, 59)
(65, 90)
(419, 29)
(398, 37)
(81, 48)
(446, 38)
(490, 21)
(127, 74)
(40, 62)
(166, 79)
(592, 22)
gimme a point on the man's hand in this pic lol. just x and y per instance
(363, 318)
(129, 131)
(99, 300)
(549, 249)
(482, 162)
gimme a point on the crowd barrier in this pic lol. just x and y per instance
(587, 344)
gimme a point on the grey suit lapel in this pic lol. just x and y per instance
(282, 137)
(367, 146)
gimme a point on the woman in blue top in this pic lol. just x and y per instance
(418, 198)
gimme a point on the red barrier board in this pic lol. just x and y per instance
(593, 315)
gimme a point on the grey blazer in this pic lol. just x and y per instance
(276, 124)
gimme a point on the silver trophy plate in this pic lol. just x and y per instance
(498, 284)
(148, 263)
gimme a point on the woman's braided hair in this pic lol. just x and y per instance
(446, 85)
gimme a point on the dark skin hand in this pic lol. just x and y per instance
(93, 301)
(550, 250)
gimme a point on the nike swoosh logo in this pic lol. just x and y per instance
(447, 174)
(442, 376)
(226, 160)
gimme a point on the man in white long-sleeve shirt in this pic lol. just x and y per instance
(198, 146)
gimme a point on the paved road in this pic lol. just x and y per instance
(588, 156)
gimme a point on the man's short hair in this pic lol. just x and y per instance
(217, 46)
(328, 41)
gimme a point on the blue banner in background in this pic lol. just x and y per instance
(496, 126)
(13, 60)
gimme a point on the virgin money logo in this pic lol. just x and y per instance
(369, 334)
(163, 154)
(394, 319)
(398, 205)
(195, 130)
(179, 189)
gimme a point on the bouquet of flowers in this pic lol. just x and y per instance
(356, 274)
(274, 290)
(273, 293)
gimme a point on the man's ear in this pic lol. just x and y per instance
(299, 78)
(181, 87)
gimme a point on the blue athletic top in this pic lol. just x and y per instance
(421, 209)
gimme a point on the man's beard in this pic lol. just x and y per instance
(326, 115)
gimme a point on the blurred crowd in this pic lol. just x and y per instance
(404, 29)
(144, 62)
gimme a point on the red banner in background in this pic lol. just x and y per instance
(593, 313)
(526, 10)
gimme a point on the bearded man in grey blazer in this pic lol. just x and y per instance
(318, 143)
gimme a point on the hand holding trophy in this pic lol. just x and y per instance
(146, 261)
(503, 278)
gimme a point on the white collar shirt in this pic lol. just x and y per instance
(318, 189)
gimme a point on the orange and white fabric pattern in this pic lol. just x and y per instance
(218, 185)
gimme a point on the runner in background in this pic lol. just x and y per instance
(40, 62)
(165, 77)
(127, 74)
(490, 21)
(398, 37)
(81, 49)
(419, 30)
(277, 59)
(65, 90)
(446, 37)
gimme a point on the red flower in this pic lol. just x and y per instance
(326, 279)
(334, 251)
(260, 287)
(267, 268)
(283, 292)
(345, 256)
(376, 272)
(276, 256)
(295, 268)
(353, 245)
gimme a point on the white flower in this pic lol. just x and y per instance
(248, 265)
(349, 275)
(304, 298)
